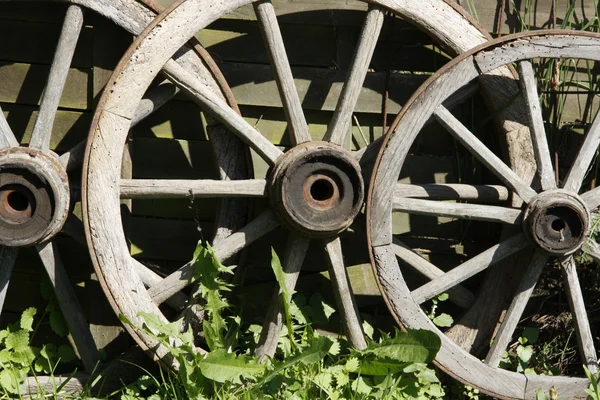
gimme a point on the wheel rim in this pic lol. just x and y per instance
(555, 221)
(103, 188)
(36, 197)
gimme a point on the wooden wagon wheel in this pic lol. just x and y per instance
(552, 224)
(315, 190)
(35, 188)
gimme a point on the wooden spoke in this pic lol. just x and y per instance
(260, 226)
(453, 191)
(42, 130)
(212, 103)
(368, 154)
(78, 326)
(265, 14)
(72, 159)
(7, 137)
(178, 301)
(295, 251)
(483, 154)
(468, 269)
(536, 124)
(343, 292)
(8, 255)
(592, 198)
(339, 128)
(154, 99)
(515, 311)
(459, 295)
(179, 188)
(582, 163)
(584, 333)
(458, 210)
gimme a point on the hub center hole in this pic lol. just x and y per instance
(17, 200)
(321, 190)
(558, 225)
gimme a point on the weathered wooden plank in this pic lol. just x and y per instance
(516, 15)
(200, 209)
(24, 84)
(401, 45)
(42, 12)
(177, 188)
(70, 127)
(458, 210)
(157, 238)
(318, 88)
(453, 191)
(37, 41)
(183, 159)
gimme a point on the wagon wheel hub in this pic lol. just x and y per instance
(34, 197)
(557, 222)
(316, 189)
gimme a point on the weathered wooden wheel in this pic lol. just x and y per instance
(552, 224)
(315, 190)
(38, 188)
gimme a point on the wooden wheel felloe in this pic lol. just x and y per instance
(314, 190)
(551, 219)
(37, 197)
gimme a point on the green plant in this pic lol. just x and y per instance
(519, 358)
(308, 365)
(442, 320)
(593, 391)
(19, 359)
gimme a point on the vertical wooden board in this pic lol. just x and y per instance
(37, 41)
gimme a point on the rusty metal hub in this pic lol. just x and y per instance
(557, 222)
(316, 189)
(34, 197)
